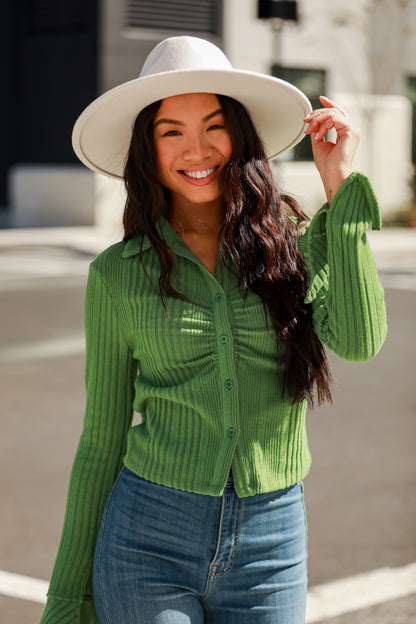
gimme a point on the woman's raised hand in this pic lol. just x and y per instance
(333, 160)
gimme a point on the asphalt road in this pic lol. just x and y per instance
(360, 492)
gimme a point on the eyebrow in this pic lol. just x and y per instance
(181, 123)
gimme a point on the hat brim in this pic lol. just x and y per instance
(102, 133)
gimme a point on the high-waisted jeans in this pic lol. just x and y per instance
(165, 556)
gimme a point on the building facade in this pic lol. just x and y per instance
(363, 54)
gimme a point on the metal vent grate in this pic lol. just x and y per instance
(199, 16)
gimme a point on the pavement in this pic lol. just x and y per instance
(395, 253)
(394, 249)
(91, 239)
(390, 245)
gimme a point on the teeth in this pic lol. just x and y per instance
(199, 174)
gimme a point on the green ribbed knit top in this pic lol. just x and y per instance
(204, 376)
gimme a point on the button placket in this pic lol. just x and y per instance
(223, 324)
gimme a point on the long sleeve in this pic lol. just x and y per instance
(344, 289)
(109, 376)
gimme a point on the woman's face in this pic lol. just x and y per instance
(192, 146)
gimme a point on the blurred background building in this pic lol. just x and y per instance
(58, 55)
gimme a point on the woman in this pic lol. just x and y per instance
(208, 320)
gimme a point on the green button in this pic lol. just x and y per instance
(223, 338)
(218, 297)
(231, 432)
(229, 384)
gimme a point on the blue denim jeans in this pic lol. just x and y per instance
(164, 556)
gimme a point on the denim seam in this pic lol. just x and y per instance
(100, 544)
(213, 572)
(235, 546)
(210, 577)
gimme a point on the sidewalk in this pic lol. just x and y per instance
(394, 246)
(390, 245)
(91, 239)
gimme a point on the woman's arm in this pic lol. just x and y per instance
(333, 160)
(110, 375)
(344, 290)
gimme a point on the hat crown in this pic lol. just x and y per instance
(184, 53)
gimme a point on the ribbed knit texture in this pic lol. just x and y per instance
(209, 384)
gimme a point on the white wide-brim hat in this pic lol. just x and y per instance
(102, 134)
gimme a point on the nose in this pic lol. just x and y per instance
(197, 148)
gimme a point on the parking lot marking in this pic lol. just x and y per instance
(24, 587)
(324, 601)
(359, 592)
(44, 349)
(398, 281)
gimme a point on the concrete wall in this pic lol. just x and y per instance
(123, 50)
(393, 44)
(384, 153)
(45, 196)
(353, 43)
(385, 148)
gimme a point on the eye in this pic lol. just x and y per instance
(217, 126)
(171, 133)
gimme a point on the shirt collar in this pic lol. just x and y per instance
(167, 233)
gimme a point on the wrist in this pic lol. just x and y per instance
(332, 182)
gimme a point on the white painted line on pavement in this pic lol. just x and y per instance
(44, 349)
(49, 266)
(42, 282)
(24, 587)
(398, 281)
(359, 592)
(324, 601)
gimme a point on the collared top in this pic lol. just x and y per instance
(204, 373)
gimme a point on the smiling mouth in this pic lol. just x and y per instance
(198, 175)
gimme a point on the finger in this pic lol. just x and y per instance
(324, 113)
(329, 106)
(323, 128)
(328, 117)
(327, 103)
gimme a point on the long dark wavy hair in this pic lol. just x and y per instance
(259, 234)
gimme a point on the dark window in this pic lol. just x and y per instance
(203, 16)
(55, 16)
(411, 94)
(313, 84)
(55, 76)
(49, 74)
